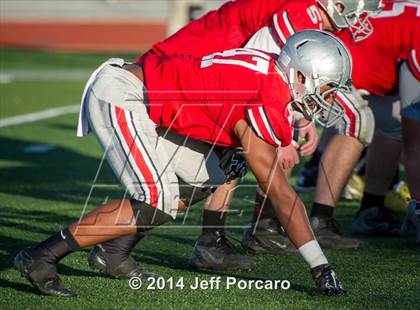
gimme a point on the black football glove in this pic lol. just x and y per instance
(233, 164)
(326, 281)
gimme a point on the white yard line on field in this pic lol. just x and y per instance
(37, 116)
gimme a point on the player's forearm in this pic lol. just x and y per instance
(292, 214)
(289, 208)
(263, 161)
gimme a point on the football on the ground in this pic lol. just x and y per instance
(397, 199)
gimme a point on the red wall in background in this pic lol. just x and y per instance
(98, 36)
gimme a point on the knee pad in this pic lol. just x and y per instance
(190, 194)
(148, 217)
(233, 164)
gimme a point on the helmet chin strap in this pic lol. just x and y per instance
(297, 106)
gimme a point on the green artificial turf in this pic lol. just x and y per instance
(41, 193)
(21, 97)
(32, 59)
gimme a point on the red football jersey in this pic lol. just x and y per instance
(295, 16)
(396, 37)
(229, 27)
(236, 22)
(205, 97)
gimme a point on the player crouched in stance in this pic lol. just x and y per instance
(241, 98)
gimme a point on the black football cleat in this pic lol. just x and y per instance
(267, 238)
(217, 253)
(41, 274)
(375, 221)
(329, 235)
(326, 281)
(123, 270)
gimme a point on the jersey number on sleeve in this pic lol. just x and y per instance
(257, 61)
(314, 14)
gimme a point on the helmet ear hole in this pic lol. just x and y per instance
(300, 77)
(339, 7)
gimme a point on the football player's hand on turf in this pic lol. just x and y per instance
(326, 281)
(308, 132)
(289, 156)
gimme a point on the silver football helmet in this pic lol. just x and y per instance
(352, 14)
(316, 64)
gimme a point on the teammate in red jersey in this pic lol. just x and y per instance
(265, 25)
(386, 65)
(396, 39)
(142, 141)
(236, 22)
(229, 27)
(269, 33)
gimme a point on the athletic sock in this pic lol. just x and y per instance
(118, 249)
(312, 254)
(263, 208)
(371, 200)
(55, 247)
(322, 211)
(213, 221)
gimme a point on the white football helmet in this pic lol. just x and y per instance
(352, 14)
(310, 61)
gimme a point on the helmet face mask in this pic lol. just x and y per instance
(316, 65)
(323, 108)
(319, 104)
(359, 26)
(353, 15)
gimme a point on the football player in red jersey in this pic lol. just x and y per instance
(143, 116)
(269, 33)
(237, 24)
(387, 66)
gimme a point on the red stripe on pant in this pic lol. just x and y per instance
(350, 115)
(137, 156)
